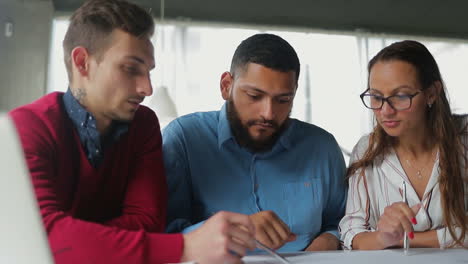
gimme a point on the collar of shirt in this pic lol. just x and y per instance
(225, 133)
(86, 126)
(396, 175)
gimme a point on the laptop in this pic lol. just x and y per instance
(22, 235)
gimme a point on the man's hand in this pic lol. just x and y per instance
(224, 238)
(270, 230)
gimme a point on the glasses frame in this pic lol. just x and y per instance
(386, 99)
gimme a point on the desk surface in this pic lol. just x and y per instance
(391, 256)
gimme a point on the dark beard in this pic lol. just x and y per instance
(242, 135)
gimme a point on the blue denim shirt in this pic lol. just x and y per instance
(301, 179)
(85, 125)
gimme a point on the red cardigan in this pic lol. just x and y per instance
(106, 215)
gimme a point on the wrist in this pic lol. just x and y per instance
(185, 254)
(380, 241)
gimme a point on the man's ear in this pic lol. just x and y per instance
(226, 84)
(433, 92)
(80, 60)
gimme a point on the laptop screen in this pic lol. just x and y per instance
(22, 235)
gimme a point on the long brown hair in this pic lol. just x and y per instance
(445, 128)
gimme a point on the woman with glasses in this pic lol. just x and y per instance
(416, 140)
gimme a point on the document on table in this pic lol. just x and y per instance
(389, 256)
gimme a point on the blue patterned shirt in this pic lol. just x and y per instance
(85, 124)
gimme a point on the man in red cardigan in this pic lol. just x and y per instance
(94, 153)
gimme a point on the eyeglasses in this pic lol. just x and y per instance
(397, 102)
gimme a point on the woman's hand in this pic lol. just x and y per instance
(396, 219)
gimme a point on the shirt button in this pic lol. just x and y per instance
(256, 186)
(97, 151)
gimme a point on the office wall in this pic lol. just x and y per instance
(24, 55)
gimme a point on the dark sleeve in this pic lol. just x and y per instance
(178, 178)
(337, 190)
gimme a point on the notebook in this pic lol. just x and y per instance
(22, 235)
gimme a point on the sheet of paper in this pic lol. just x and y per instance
(396, 256)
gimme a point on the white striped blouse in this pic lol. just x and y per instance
(368, 197)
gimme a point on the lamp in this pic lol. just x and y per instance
(164, 106)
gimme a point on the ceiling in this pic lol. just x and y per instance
(432, 18)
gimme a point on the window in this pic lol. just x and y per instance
(190, 59)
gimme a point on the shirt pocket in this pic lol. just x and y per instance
(304, 199)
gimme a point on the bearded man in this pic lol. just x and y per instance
(252, 158)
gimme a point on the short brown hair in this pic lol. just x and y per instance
(92, 23)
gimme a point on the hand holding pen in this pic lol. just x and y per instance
(223, 238)
(270, 230)
(397, 219)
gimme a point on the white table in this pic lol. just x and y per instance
(390, 256)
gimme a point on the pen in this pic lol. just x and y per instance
(405, 238)
(272, 252)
